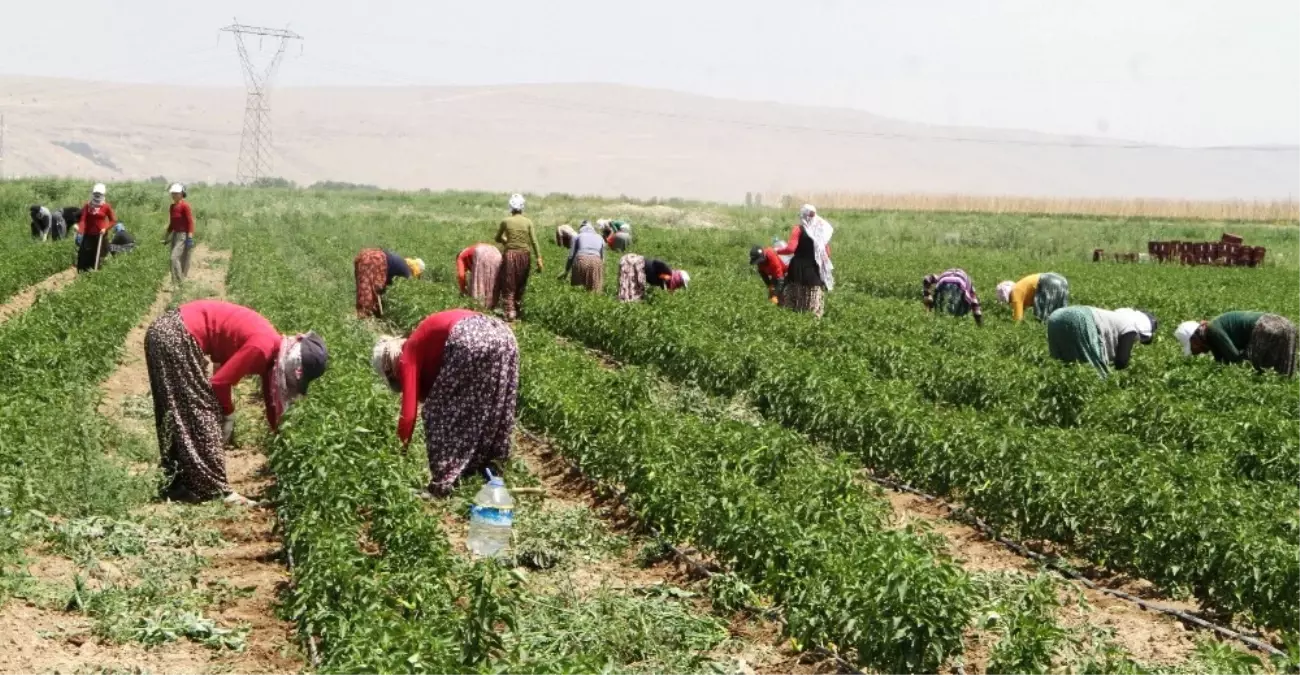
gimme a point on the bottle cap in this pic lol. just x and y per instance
(495, 481)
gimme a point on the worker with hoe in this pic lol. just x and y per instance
(47, 224)
(97, 218)
(1046, 293)
(464, 367)
(586, 260)
(180, 233)
(810, 274)
(771, 269)
(375, 270)
(953, 292)
(518, 238)
(1099, 337)
(1267, 341)
(194, 415)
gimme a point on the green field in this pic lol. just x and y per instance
(731, 427)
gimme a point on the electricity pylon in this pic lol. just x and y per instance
(255, 142)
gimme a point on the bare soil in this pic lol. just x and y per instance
(762, 646)
(1150, 637)
(24, 298)
(35, 639)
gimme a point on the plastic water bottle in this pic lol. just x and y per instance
(491, 519)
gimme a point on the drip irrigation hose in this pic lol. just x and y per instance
(685, 558)
(1054, 563)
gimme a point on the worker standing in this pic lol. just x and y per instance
(809, 275)
(518, 239)
(97, 218)
(180, 233)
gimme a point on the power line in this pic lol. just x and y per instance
(255, 142)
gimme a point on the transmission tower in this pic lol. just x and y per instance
(255, 142)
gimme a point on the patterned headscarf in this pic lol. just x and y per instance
(1004, 291)
(384, 359)
(820, 231)
(285, 374)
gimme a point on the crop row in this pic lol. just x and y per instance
(1169, 517)
(53, 450)
(374, 577)
(797, 525)
(27, 262)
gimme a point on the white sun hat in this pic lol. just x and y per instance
(176, 188)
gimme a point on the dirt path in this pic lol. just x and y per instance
(1151, 638)
(759, 646)
(245, 563)
(24, 298)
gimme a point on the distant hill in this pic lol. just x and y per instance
(593, 139)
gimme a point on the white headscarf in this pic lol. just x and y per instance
(1004, 291)
(1184, 333)
(384, 357)
(820, 231)
(97, 194)
(1139, 321)
(516, 202)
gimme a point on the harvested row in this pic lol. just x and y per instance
(761, 499)
(1166, 517)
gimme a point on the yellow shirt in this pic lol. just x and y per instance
(1022, 294)
(517, 234)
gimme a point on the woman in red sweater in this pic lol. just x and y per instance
(194, 414)
(97, 218)
(481, 263)
(180, 233)
(771, 269)
(464, 367)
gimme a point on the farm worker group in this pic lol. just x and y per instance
(375, 270)
(48, 224)
(194, 414)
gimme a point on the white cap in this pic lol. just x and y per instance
(99, 189)
(516, 202)
(1184, 333)
(176, 188)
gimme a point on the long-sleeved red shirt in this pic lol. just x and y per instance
(420, 362)
(464, 261)
(182, 218)
(242, 341)
(792, 244)
(771, 265)
(96, 220)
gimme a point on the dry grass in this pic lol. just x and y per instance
(1278, 210)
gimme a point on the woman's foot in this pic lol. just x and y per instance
(240, 500)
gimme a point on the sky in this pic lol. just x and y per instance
(1179, 72)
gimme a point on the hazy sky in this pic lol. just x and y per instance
(1187, 72)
